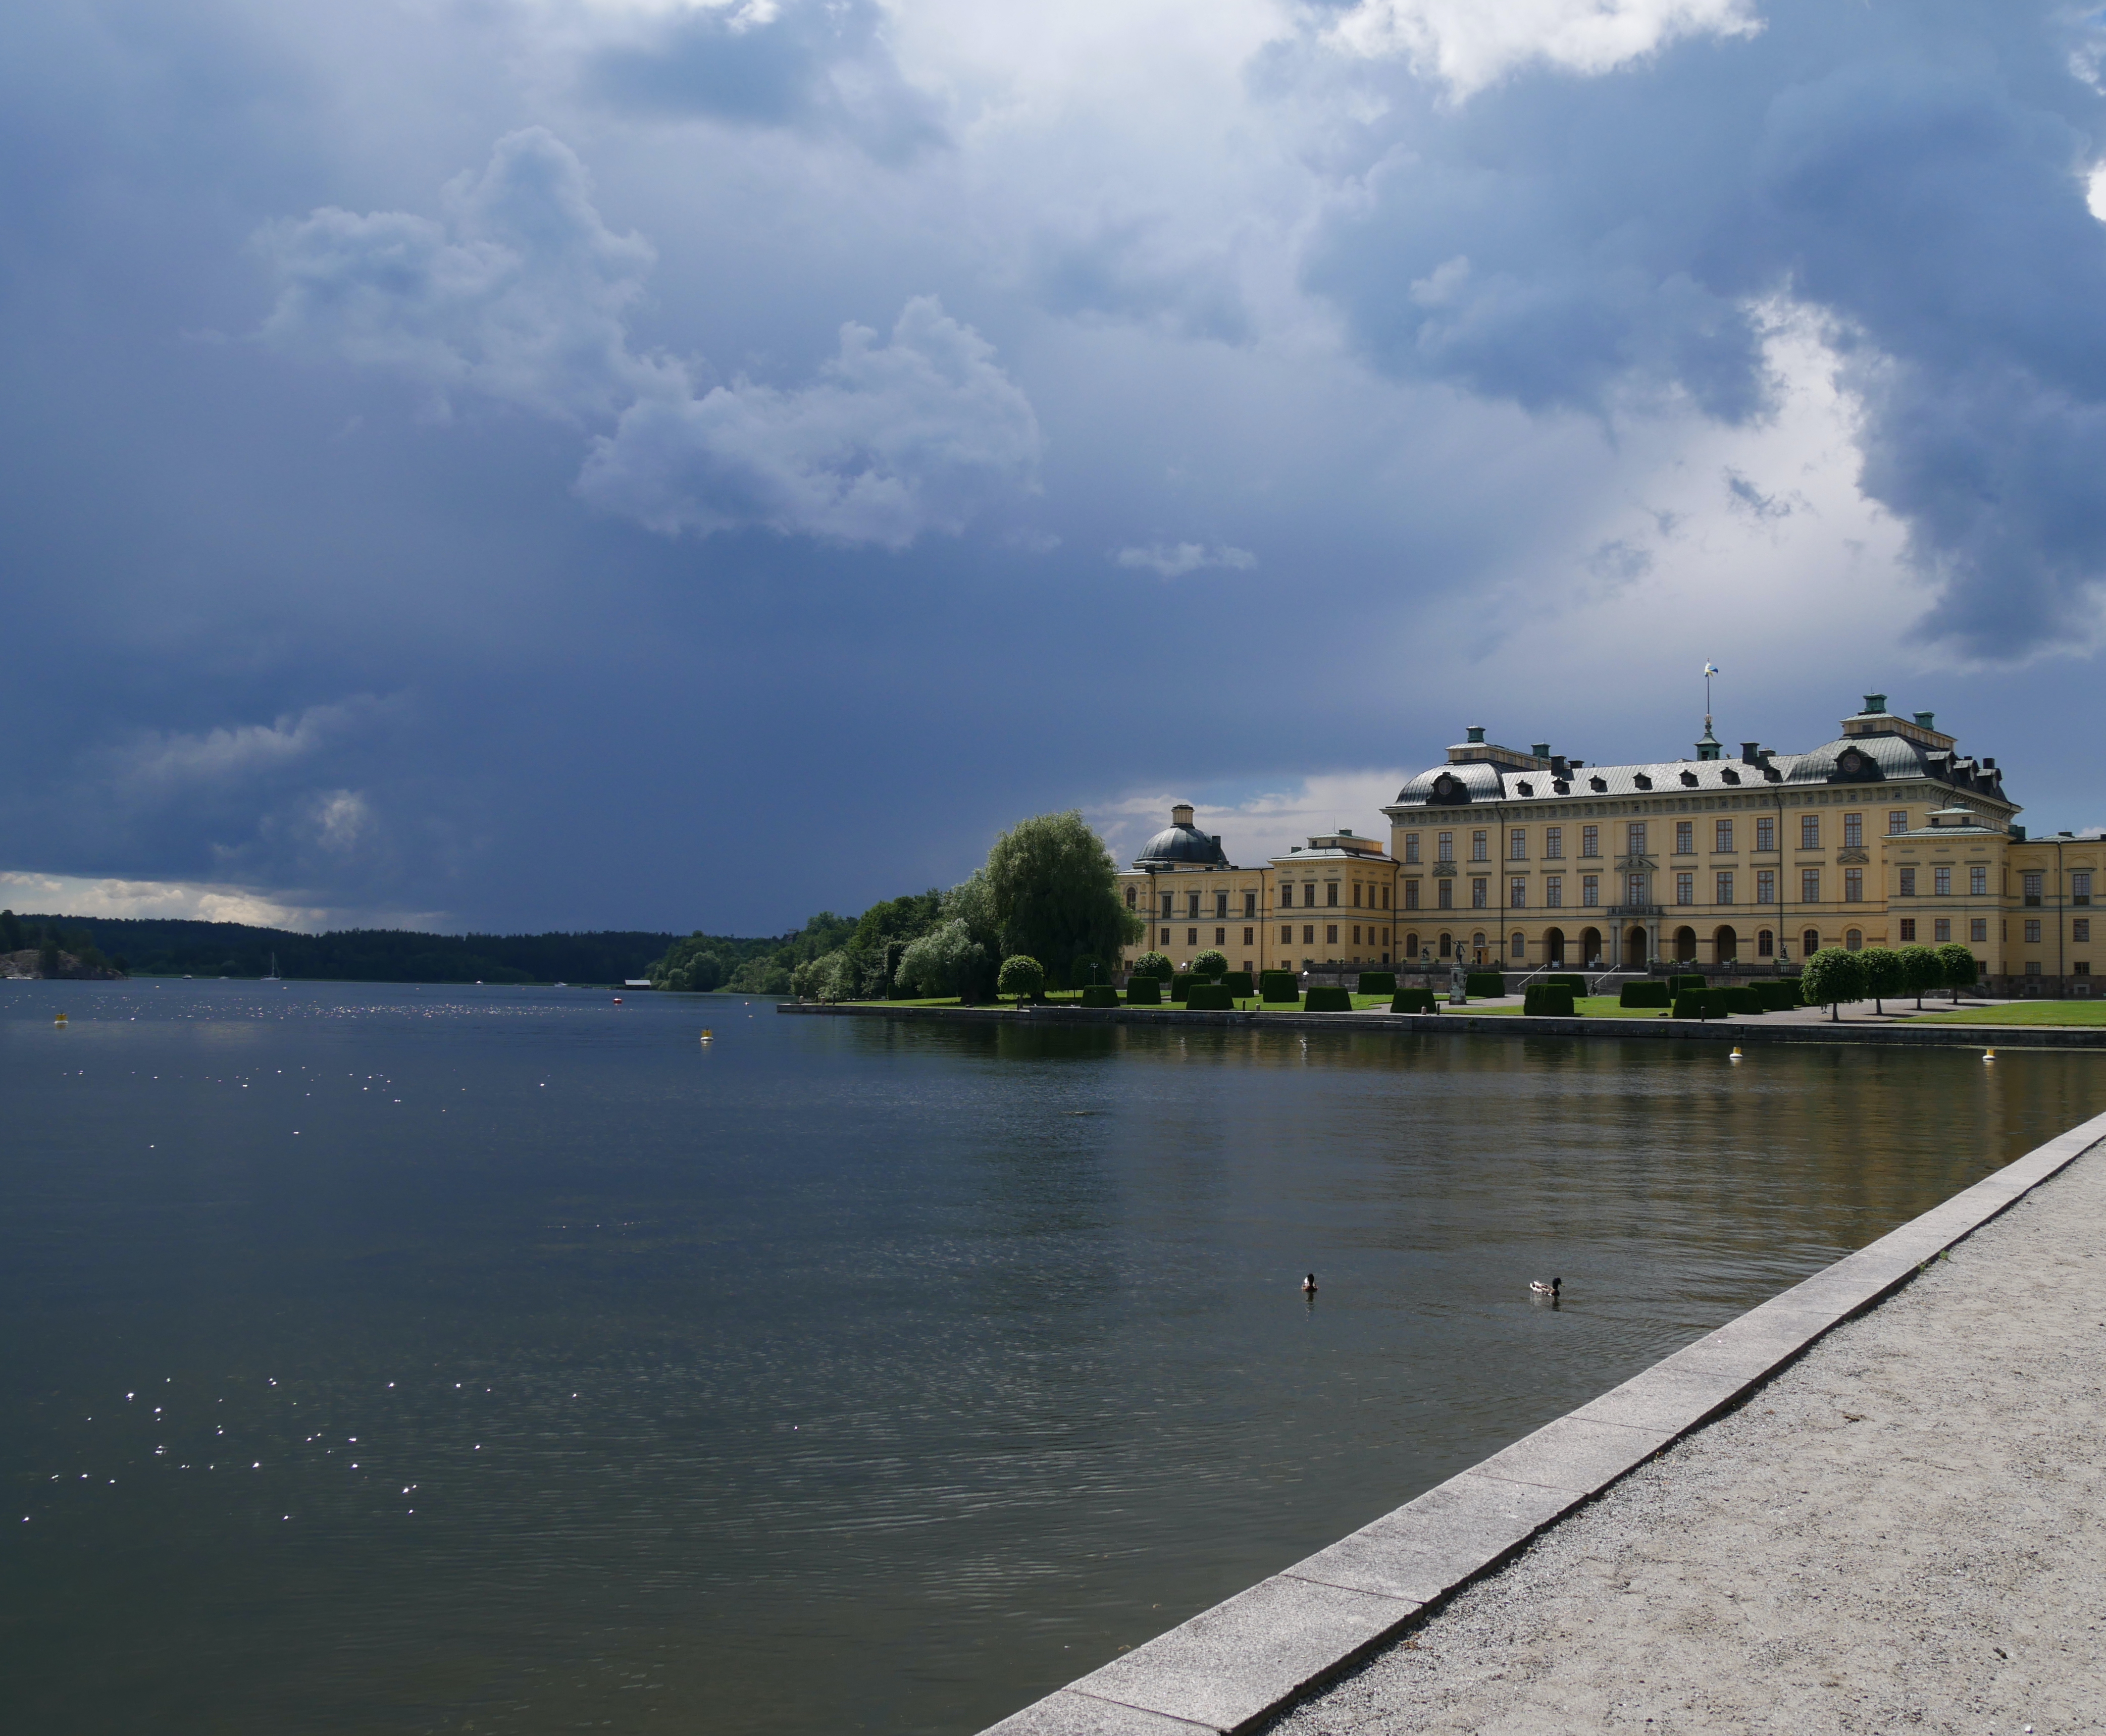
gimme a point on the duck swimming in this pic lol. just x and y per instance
(1537, 1287)
(1309, 1285)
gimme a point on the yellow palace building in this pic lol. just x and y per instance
(1886, 836)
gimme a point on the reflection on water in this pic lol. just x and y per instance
(393, 1360)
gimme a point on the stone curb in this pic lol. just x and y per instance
(1506, 1024)
(1234, 1666)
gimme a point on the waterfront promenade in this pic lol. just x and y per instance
(1904, 1530)
(1872, 1504)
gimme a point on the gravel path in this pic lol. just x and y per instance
(1905, 1531)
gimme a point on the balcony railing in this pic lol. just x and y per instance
(1635, 909)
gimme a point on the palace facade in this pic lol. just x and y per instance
(1886, 836)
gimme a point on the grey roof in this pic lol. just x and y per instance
(1184, 845)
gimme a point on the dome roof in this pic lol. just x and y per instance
(1183, 843)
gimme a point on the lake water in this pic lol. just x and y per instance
(384, 1360)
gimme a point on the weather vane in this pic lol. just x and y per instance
(1710, 670)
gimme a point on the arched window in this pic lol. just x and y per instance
(1447, 946)
(1132, 898)
(1809, 943)
(1853, 940)
(1518, 945)
(1411, 946)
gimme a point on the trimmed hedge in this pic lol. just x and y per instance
(1238, 982)
(1698, 1003)
(1101, 994)
(1778, 994)
(1547, 1000)
(1413, 1000)
(1328, 997)
(1644, 995)
(1571, 980)
(1143, 991)
(1210, 997)
(1741, 997)
(1378, 982)
(1279, 985)
(1689, 981)
(1487, 982)
(1181, 984)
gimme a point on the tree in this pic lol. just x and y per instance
(1923, 971)
(946, 961)
(1962, 968)
(1154, 964)
(1884, 974)
(11, 932)
(831, 978)
(47, 956)
(1210, 964)
(1053, 891)
(1022, 977)
(1832, 976)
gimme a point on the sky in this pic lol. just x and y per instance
(516, 464)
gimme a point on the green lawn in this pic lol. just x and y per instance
(2025, 1013)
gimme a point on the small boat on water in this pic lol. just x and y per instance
(272, 975)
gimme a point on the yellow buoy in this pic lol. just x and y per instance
(59, 1018)
(1735, 1056)
(1988, 1055)
(708, 1036)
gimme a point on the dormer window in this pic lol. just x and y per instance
(1731, 776)
(1525, 789)
(1561, 785)
(1598, 783)
(1690, 779)
(1642, 782)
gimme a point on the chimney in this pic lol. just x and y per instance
(1560, 766)
(1541, 750)
(1988, 762)
(1926, 720)
(1751, 753)
(1875, 702)
(1181, 814)
(1476, 733)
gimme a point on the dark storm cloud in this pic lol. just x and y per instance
(1916, 174)
(815, 66)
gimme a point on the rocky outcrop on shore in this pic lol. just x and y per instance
(26, 963)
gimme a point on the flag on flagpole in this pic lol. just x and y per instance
(1710, 668)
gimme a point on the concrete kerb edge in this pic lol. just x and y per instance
(1981, 1203)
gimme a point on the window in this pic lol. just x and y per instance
(1330, 894)
(1411, 895)
(1809, 831)
(1636, 888)
(1446, 850)
(1553, 891)
(2033, 882)
(1908, 883)
(1221, 906)
(1853, 886)
(1481, 846)
(1191, 906)
(1357, 934)
(1809, 886)
(1765, 944)
(1721, 836)
(1853, 831)
(1978, 928)
(1250, 937)
(1169, 902)
(1480, 894)
(1725, 888)
(1308, 895)
(1590, 840)
(1896, 821)
(1516, 845)
(1191, 936)
(2033, 931)
(2080, 929)
(1166, 937)
(2033, 967)
(1941, 928)
(1766, 886)
(1908, 928)
(2082, 968)
(1634, 837)
(1517, 894)
(1590, 890)
(2080, 885)
(1356, 895)
(1941, 882)
(1308, 934)
(1287, 934)
(1221, 937)
(1809, 943)
(1411, 846)
(1446, 898)
(1978, 883)
(1132, 898)
(1853, 940)
(1553, 843)
(1330, 934)
(1766, 835)
(1250, 907)
(1685, 889)
(1685, 838)
(1519, 945)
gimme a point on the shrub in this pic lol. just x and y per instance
(1209, 964)
(1378, 982)
(1568, 979)
(1143, 991)
(1689, 981)
(1485, 982)
(1279, 986)
(1181, 984)
(1832, 976)
(1413, 1000)
(1328, 997)
(1777, 994)
(1022, 978)
(1962, 968)
(1101, 994)
(1644, 994)
(1238, 982)
(1742, 998)
(946, 961)
(1698, 1003)
(1153, 964)
(1547, 1000)
(1210, 997)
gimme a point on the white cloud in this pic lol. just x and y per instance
(1257, 827)
(891, 441)
(1469, 44)
(172, 762)
(79, 895)
(521, 296)
(1173, 560)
